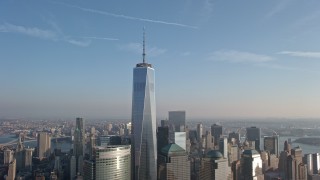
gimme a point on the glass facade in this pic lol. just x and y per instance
(112, 162)
(144, 144)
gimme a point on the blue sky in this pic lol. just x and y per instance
(213, 58)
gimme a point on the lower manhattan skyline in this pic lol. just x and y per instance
(213, 59)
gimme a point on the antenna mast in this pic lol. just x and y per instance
(144, 46)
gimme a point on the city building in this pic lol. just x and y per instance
(177, 120)
(144, 145)
(233, 154)
(19, 154)
(223, 146)
(253, 135)
(79, 143)
(234, 138)
(12, 170)
(209, 141)
(8, 156)
(214, 166)
(216, 132)
(162, 137)
(251, 165)
(111, 162)
(106, 140)
(44, 145)
(28, 152)
(73, 167)
(199, 132)
(271, 144)
(173, 163)
(180, 139)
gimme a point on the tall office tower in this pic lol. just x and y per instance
(233, 154)
(162, 137)
(209, 142)
(265, 161)
(283, 163)
(177, 119)
(216, 132)
(223, 146)
(73, 167)
(144, 145)
(79, 143)
(92, 144)
(28, 152)
(12, 170)
(293, 163)
(80, 165)
(309, 162)
(271, 144)
(236, 170)
(214, 166)
(173, 163)
(251, 165)
(128, 129)
(93, 130)
(302, 172)
(273, 161)
(316, 163)
(44, 145)
(253, 134)
(287, 147)
(234, 138)
(79, 138)
(297, 153)
(19, 154)
(7, 156)
(199, 132)
(57, 164)
(111, 162)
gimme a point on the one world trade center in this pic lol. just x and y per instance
(144, 144)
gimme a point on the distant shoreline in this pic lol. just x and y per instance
(314, 141)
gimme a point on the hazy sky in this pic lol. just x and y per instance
(213, 58)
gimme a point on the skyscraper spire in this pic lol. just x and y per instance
(144, 47)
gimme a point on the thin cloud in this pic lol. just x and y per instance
(278, 8)
(238, 57)
(187, 53)
(286, 68)
(30, 31)
(305, 54)
(51, 35)
(78, 43)
(137, 49)
(127, 17)
(101, 38)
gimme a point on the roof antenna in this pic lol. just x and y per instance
(144, 46)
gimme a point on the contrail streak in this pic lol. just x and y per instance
(126, 17)
(101, 38)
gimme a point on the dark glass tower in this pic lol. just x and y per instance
(79, 141)
(144, 141)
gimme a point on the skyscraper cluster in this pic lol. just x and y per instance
(139, 150)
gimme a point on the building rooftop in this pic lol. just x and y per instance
(144, 65)
(215, 154)
(250, 152)
(173, 149)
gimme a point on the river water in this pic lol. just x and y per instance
(64, 146)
